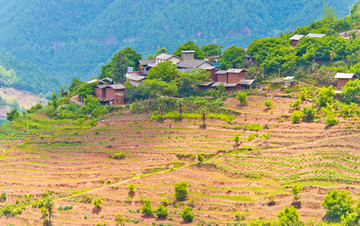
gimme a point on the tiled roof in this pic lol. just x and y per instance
(164, 56)
(235, 70)
(192, 63)
(221, 72)
(147, 62)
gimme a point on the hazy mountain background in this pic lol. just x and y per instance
(48, 42)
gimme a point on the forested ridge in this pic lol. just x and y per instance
(73, 39)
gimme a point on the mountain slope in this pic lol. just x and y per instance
(74, 38)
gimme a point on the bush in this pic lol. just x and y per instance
(3, 197)
(132, 189)
(309, 114)
(330, 119)
(296, 104)
(337, 204)
(200, 158)
(239, 216)
(289, 216)
(97, 202)
(242, 97)
(296, 116)
(181, 191)
(296, 190)
(268, 103)
(161, 211)
(146, 208)
(252, 136)
(120, 219)
(187, 215)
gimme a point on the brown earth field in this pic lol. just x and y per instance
(75, 166)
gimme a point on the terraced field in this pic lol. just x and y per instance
(74, 164)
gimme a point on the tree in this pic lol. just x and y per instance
(268, 103)
(97, 202)
(161, 211)
(48, 206)
(190, 45)
(54, 101)
(93, 106)
(12, 115)
(132, 56)
(165, 71)
(187, 215)
(242, 97)
(309, 114)
(330, 119)
(161, 87)
(74, 86)
(325, 96)
(211, 50)
(233, 57)
(351, 91)
(146, 208)
(120, 66)
(86, 89)
(296, 116)
(296, 190)
(289, 217)
(329, 13)
(189, 80)
(158, 52)
(337, 204)
(181, 191)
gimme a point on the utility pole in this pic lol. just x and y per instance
(27, 124)
(6, 194)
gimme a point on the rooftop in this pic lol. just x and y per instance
(315, 35)
(147, 62)
(345, 75)
(246, 81)
(134, 77)
(188, 51)
(192, 63)
(164, 56)
(221, 72)
(296, 37)
(235, 70)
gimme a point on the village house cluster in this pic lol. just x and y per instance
(232, 79)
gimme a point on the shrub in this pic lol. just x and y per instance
(239, 216)
(181, 191)
(268, 103)
(289, 216)
(187, 215)
(97, 202)
(296, 190)
(161, 211)
(252, 136)
(200, 158)
(237, 137)
(296, 104)
(337, 204)
(120, 219)
(296, 116)
(146, 208)
(309, 114)
(132, 189)
(3, 197)
(330, 119)
(242, 97)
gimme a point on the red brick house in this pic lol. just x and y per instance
(343, 78)
(110, 94)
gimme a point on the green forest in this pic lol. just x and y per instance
(73, 39)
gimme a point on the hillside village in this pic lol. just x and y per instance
(266, 135)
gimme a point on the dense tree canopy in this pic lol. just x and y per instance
(190, 45)
(165, 71)
(233, 57)
(212, 50)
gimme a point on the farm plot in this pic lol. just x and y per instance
(78, 165)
